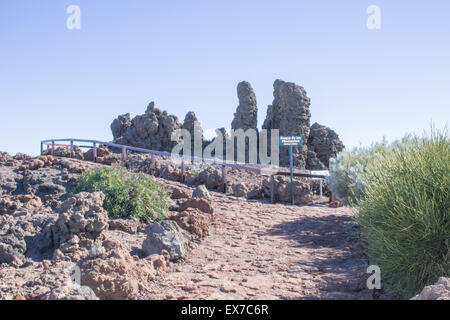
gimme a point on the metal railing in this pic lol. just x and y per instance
(52, 144)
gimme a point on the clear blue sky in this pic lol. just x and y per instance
(190, 55)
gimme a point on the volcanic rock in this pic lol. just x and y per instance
(201, 192)
(324, 142)
(166, 235)
(151, 130)
(247, 111)
(290, 114)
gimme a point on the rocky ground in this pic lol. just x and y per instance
(258, 250)
(56, 245)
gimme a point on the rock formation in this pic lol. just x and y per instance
(324, 142)
(290, 114)
(192, 124)
(151, 130)
(247, 111)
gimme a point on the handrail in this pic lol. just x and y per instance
(216, 161)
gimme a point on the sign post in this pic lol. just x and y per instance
(291, 141)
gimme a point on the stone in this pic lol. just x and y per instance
(211, 177)
(194, 221)
(192, 124)
(165, 235)
(203, 205)
(302, 191)
(125, 225)
(36, 281)
(102, 152)
(12, 244)
(324, 142)
(335, 204)
(151, 130)
(114, 274)
(201, 192)
(49, 184)
(83, 214)
(7, 160)
(290, 113)
(247, 112)
(64, 152)
(173, 206)
(255, 193)
(36, 164)
(179, 193)
(313, 163)
(239, 189)
(71, 291)
(439, 291)
(9, 181)
(159, 262)
(28, 202)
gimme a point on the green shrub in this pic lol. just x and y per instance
(404, 213)
(348, 170)
(126, 194)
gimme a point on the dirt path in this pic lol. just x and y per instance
(258, 250)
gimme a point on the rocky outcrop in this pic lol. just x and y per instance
(439, 291)
(290, 114)
(313, 163)
(247, 111)
(324, 142)
(151, 130)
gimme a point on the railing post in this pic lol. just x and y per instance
(272, 188)
(42, 148)
(71, 148)
(224, 179)
(321, 185)
(124, 153)
(183, 170)
(53, 148)
(94, 152)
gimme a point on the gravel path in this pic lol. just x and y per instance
(258, 250)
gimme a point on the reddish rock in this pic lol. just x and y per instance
(125, 225)
(194, 221)
(102, 152)
(336, 204)
(115, 275)
(197, 203)
(178, 193)
(239, 189)
(36, 164)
